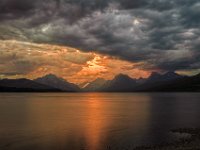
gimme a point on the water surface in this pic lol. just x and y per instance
(93, 121)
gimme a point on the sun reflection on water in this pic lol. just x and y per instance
(95, 122)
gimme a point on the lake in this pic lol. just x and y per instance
(93, 121)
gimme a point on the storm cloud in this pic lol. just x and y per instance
(158, 34)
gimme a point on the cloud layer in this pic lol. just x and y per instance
(24, 59)
(155, 34)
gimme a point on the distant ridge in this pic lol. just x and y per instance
(94, 85)
(24, 85)
(183, 84)
(58, 83)
(121, 83)
(156, 77)
(167, 82)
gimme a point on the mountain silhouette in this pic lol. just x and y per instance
(58, 83)
(94, 85)
(121, 83)
(168, 82)
(156, 77)
(183, 84)
(24, 85)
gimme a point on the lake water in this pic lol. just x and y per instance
(93, 121)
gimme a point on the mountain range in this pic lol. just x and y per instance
(48, 83)
(58, 83)
(167, 82)
(178, 84)
(121, 83)
(94, 85)
(24, 85)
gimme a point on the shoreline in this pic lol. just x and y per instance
(191, 142)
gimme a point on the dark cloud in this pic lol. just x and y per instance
(12, 9)
(162, 33)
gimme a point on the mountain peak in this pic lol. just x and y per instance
(57, 82)
(171, 73)
(94, 85)
(50, 76)
(122, 76)
(155, 74)
(121, 82)
(53, 77)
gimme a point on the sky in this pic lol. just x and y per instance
(81, 40)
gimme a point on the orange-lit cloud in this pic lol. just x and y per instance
(22, 59)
